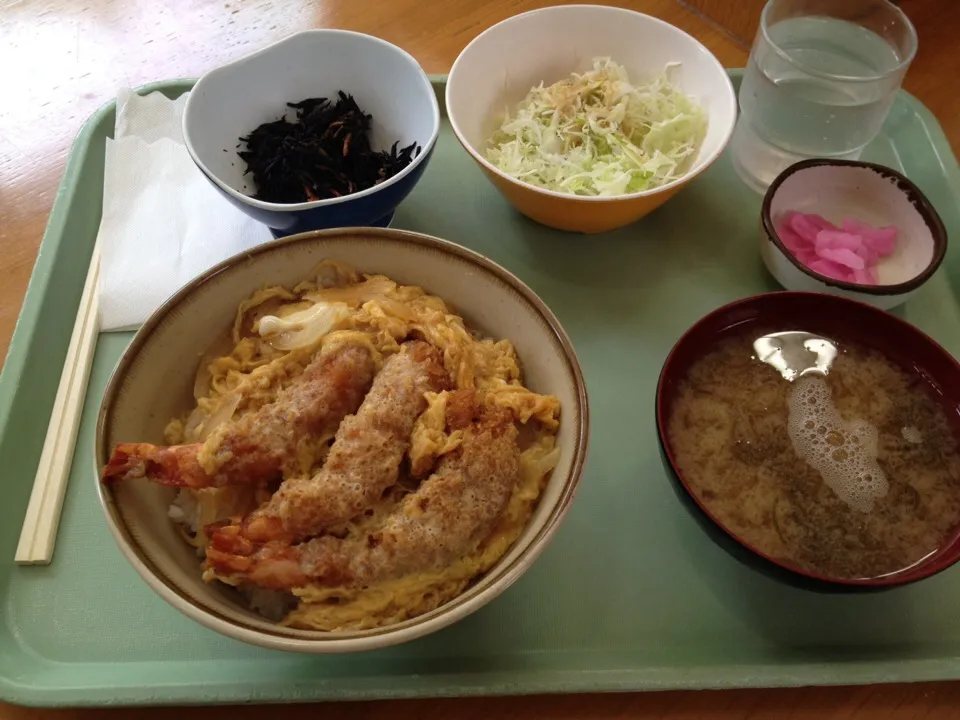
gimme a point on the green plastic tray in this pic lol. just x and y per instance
(631, 595)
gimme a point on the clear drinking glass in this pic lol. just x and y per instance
(821, 78)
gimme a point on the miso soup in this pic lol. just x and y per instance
(829, 458)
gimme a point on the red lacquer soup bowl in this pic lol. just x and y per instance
(832, 317)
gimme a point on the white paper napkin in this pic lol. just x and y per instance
(163, 222)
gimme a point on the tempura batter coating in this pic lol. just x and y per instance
(446, 518)
(366, 454)
(254, 447)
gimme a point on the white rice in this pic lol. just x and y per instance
(185, 510)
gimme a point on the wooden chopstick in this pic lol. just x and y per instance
(39, 533)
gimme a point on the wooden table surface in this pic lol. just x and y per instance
(61, 59)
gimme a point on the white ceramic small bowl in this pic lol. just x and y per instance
(154, 380)
(874, 194)
(387, 83)
(498, 68)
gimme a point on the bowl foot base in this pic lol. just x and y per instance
(384, 222)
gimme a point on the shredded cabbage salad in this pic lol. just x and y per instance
(598, 134)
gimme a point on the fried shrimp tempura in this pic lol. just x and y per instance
(446, 518)
(365, 457)
(255, 446)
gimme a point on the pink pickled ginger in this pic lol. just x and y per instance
(848, 253)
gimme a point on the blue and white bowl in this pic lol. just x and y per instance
(387, 82)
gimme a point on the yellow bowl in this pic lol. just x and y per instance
(497, 69)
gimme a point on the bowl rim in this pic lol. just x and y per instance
(425, 149)
(933, 565)
(914, 195)
(701, 164)
(331, 642)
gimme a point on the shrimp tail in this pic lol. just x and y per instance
(176, 465)
(226, 537)
(245, 536)
(225, 564)
(229, 551)
(235, 559)
(126, 462)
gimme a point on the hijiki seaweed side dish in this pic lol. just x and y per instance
(325, 153)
